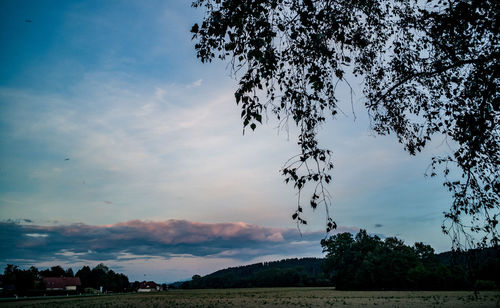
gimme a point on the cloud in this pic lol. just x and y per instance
(165, 239)
(135, 144)
(36, 234)
(168, 250)
(197, 83)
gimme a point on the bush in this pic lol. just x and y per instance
(90, 291)
(485, 285)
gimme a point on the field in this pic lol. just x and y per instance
(275, 297)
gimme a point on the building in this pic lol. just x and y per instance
(148, 286)
(61, 283)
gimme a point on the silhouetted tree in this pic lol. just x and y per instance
(284, 273)
(29, 282)
(19, 280)
(102, 276)
(85, 276)
(367, 262)
(429, 69)
(135, 285)
(56, 271)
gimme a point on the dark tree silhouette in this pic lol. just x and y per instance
(29, 282)
(368, 262)
(429, 69)
(102, 276)
(56, 271)
(283, 273)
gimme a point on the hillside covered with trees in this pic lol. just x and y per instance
(365, 262)
(284, 273)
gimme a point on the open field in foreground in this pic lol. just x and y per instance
(276, 297)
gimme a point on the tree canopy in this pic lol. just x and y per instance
(283, 273)
(367, 262)
(30, 282)
(429, 69)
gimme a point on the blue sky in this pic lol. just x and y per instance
(109, 123)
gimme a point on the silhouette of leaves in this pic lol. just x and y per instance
(428, 69)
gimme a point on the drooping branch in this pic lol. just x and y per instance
(427, 69)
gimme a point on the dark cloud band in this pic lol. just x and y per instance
(150, 238)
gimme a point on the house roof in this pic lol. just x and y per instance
(148, 285)
(61, 282)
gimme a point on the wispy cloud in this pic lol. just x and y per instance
(134, 127)
(36, 234)
(129, 144)
(197, 83)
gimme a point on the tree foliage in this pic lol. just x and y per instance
(367, 262)
(16, 279)
(102, 276)
(56, 271)
(30, 282)
(429, 69)
(283, 273)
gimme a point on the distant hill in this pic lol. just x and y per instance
(483, 264)
(473, 257)
(283, 273)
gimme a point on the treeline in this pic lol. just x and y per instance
(102, 276)
(284, 273)
(30, 282)
(367, 262)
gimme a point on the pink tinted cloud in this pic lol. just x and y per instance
(157, 238)
(172, 232)
(183, 231)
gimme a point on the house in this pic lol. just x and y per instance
(61, 283)
(149, 286)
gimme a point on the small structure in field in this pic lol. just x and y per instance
(61, 283)
(148, 286)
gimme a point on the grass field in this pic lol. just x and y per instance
(275, 297)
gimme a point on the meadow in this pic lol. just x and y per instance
(275, 297)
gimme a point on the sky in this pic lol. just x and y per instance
(117, 145)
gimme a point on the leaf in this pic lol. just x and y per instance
(258, 117)
(195, 28)
(424, 71)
